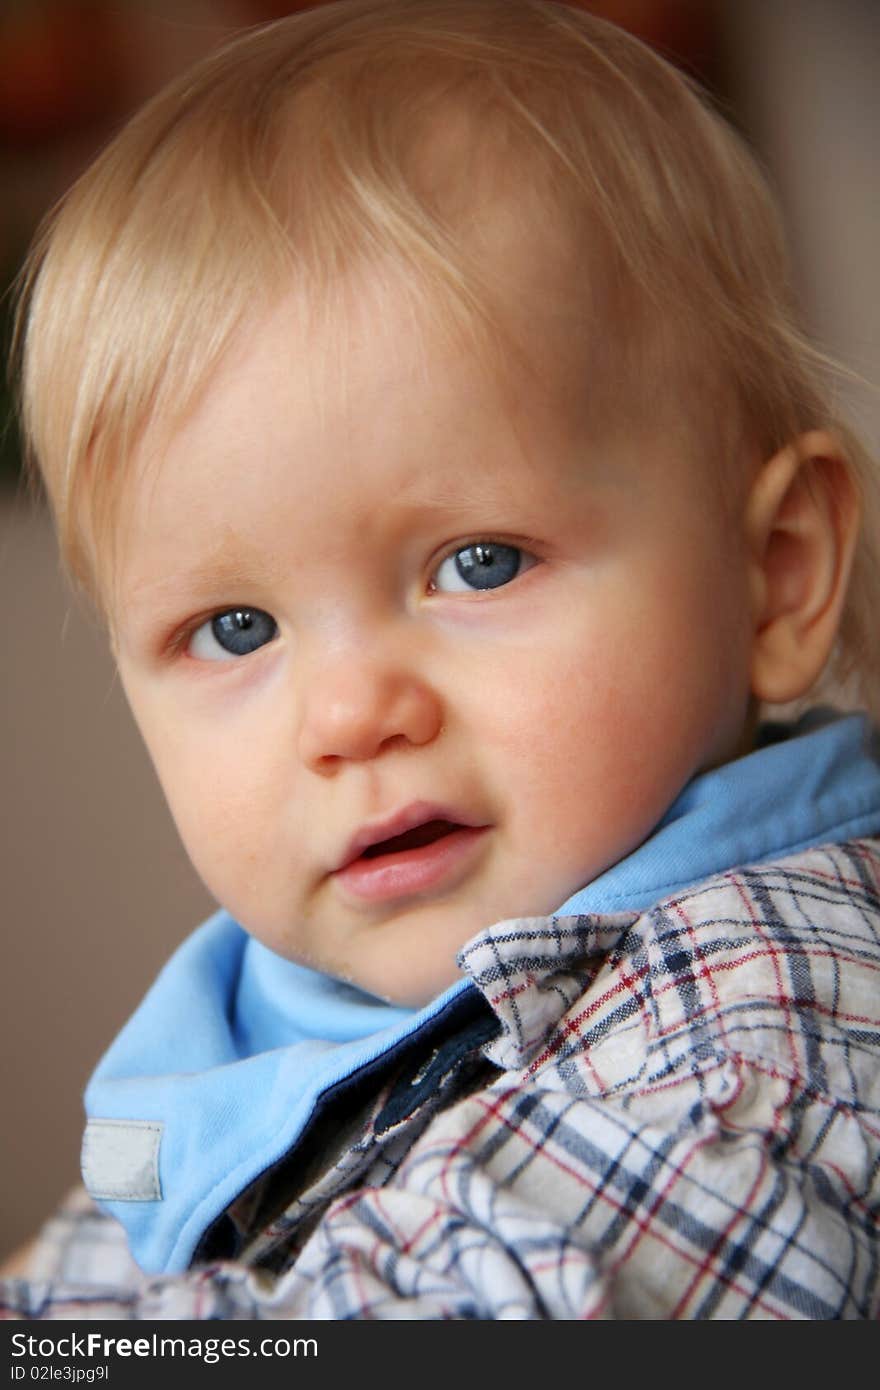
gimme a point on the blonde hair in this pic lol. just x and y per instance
(305, 146)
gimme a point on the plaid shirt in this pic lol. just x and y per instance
(666, 1114)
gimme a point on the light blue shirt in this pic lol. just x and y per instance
(217, 1073)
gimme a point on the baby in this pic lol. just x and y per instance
(418, 396)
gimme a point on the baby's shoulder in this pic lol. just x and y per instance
(772, 967)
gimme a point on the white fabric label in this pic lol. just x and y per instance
(120, 1160)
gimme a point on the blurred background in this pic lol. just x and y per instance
(98, 890)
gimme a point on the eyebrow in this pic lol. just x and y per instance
(232, 566)
(151, 597)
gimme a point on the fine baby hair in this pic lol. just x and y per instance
(377, 132)
(420, 396)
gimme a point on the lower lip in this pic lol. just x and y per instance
(411, 871)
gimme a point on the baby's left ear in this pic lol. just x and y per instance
(802, 521)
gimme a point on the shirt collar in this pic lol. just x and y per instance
(814, 783)
(218, 1071)
(807, 784)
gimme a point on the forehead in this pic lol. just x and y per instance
(516, 284)
(351, 371)
(383, 329)
(380, 376)
(343, 426)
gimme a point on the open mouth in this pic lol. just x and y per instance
(426, 854)
(417, 838)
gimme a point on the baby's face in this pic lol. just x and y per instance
(412, 650)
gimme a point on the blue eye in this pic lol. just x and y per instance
(481, 565)
(237, 632)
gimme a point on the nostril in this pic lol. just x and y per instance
(356, 712)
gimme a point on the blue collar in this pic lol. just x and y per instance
(811, 783)
(217, 1073)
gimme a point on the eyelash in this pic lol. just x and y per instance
(239, 612)
(526, 560)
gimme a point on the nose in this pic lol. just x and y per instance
(358, 707)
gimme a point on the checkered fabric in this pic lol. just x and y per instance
(678, 1118)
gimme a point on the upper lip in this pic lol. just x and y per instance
(416, 813)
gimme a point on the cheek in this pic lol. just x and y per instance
(596, 740)
(562, 734)
(221, 793)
